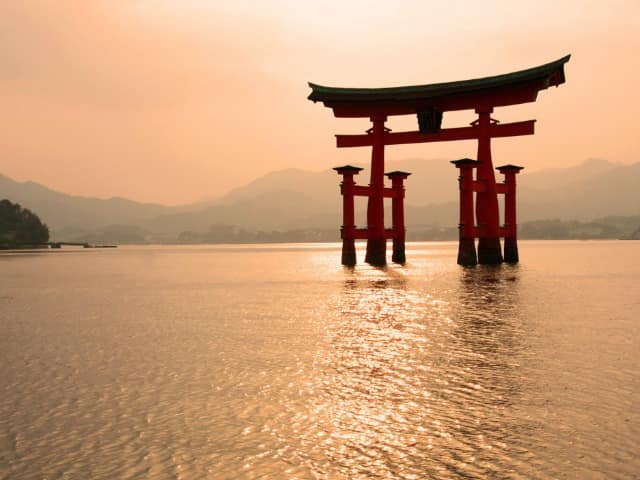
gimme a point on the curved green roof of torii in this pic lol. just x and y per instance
(533, 79)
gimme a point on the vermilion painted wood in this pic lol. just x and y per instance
(510, 232)
(397, 216)
(347, 188)
(481, 95)
(467, 230)
(487, 213)
(445, 135)
(376, 243)
(362, 191)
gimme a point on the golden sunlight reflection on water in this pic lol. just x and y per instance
(412, 379)
(275, 362)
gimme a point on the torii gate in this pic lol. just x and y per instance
(429, 102)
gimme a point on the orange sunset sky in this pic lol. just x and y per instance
(174, 101)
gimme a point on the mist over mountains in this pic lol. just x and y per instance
(296, 200)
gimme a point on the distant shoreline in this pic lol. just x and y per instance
(43, 248)
(53, 246)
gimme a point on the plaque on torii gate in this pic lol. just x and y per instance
(429, 103)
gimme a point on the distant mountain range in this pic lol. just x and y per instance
(294, 199)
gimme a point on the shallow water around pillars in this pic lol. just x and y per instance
(273, 361)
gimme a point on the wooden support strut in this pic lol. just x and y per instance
(444, 135)
(362, 191)
(467, 230)
(348, 231)
(397, 215)
(510, 231)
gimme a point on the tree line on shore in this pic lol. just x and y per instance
(20, 227)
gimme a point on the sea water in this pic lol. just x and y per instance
(247, 362)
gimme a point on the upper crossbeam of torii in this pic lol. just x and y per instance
(429, 103)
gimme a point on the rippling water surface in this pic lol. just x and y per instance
(237, 362)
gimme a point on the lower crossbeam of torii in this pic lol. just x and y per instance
(479, 205)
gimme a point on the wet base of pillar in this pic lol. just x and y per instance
(376, 252)
(349, 252)
(398, 255)
(511, 250)
(467, 252)
(489, 251)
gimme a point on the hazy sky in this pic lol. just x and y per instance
(173, 101)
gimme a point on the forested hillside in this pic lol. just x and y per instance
(20, 226)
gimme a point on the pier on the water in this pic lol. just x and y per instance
(55, 245)
(77, 244)
(479, 205)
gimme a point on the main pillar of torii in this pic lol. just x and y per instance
(429, 103)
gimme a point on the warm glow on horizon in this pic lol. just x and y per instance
(176, 101)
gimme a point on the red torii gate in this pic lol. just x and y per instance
(429, 102)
